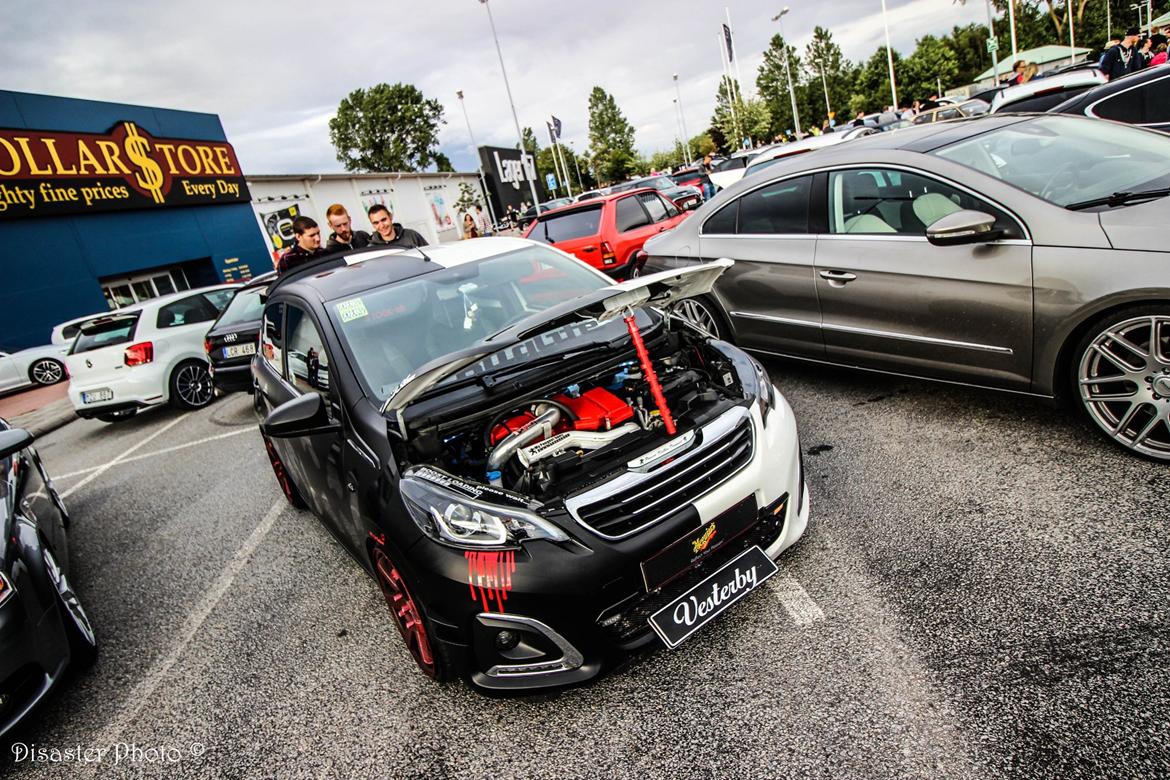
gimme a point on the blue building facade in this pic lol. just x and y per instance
(78, 247)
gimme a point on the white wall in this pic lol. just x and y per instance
(409, 197)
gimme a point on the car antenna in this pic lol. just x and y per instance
(424, 254)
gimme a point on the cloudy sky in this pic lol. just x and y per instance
(275, 71)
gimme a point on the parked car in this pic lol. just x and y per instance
(1044, 93)
(1141, 98)
(43, 365)
(591, 194)
(810, 144)
(43, 627)
(727, 172)
(480, 427)
(607, 233)
(531, 212)
(694, 177)
(684, 197)
(231, 341)
(952, 111)
(1019, 252)
(144, 355)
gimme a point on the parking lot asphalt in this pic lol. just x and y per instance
(981, 592)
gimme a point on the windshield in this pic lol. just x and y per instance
(658, 183)
(245, 307)
(1067, 160)
(391, 331)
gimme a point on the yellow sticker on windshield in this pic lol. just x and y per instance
(353, 309)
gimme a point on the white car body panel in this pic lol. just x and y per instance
(14, 367)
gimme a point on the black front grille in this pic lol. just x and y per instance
(628, 620)
(670, 489)
(18, 689)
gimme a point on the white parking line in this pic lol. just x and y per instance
(144, 455)
(795, 599)
(102, 469)
(140, 696)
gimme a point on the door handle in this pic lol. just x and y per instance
(838, 278)
(590, 248)
(664, 227)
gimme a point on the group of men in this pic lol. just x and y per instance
(387, 233)
(1132, 53)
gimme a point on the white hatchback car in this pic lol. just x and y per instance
(145, 355)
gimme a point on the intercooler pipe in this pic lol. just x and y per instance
(541, 426)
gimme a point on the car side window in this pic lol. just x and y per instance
(654, 206)
(308, 361)
(875, 201)
(220, 298)
(630, 214)
(723, 221)
(671, 209)
(1145, 104)
(272, 336)
(186, 311)
(780, 207)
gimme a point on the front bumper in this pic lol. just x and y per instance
(34, 653)
(582, 606)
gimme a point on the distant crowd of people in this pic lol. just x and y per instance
(1132, 53)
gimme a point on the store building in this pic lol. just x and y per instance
(426, 202)
(105, 204)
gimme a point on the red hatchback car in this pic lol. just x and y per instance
(608, 232)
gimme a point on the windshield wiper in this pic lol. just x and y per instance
(494, 378)
(1120, 199)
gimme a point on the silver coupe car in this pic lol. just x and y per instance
(1028, 253)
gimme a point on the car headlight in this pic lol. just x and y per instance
(764, 391)
(447, 516)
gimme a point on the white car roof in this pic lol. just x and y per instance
(1087, 77)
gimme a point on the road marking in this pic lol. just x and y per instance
(138, 698)
(163, 451)
(103, 468)
(795, 600)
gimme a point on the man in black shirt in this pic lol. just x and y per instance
(1121, 59)
(307, 247)
(343, 237)
(390, 233)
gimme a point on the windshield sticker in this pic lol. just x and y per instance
(353, 309)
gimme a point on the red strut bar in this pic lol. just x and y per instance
(651, 377)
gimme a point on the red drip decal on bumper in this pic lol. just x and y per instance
(489, 577)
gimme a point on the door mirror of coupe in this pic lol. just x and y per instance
(13, 441)
(691, 205)
(963, 227)
(305, 415)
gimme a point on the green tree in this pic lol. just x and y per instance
(772, 85)
(529, 138)
(928, 70)
(969, 44)
(826, 70)
(871, 90)
(387, 128)
(702, 145)
(611, 138)
(468, 197)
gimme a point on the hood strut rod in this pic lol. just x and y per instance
(648, 370)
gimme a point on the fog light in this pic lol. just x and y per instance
(507, 640)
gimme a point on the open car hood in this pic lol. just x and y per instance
(661, 289)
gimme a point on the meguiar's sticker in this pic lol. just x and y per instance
(353, 309)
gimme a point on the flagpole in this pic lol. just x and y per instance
(730, 92)
(564, 165)
(556, 163)
(731, 32)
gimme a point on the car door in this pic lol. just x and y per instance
(9, 375)
(1146, 103)
(299, 363)
(892, 300)
(633, 226)
(770, 293)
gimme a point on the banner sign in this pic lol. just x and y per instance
(50, 174)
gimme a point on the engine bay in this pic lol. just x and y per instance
(590, 426)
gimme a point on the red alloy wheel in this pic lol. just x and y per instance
(290, 492)
(406, 613)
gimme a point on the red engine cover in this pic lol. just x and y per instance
(597, 409)
(510, 425)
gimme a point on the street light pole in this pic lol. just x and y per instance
(1012, 22)
(990, 37)
(573, 147)
(889, 57)
(825, 85)
(683, 116)
(512, 104)
(788, 72)
(478, 159)
(1072, 44)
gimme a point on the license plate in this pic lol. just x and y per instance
(694, 609)
(689, 549)
(93, 396)
(239, 350)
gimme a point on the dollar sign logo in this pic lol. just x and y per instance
(149, 176)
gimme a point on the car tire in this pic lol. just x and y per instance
(191, 385)
(287, 486)
(113, 417)
(83, 646)
(46, 371)
(1120, 373)
(704, 314)
(409, 616)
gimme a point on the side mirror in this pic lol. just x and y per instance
(691, 205)
(963, 227)
(305, 415)
(13, 441)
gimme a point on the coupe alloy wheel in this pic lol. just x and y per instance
(698, 314)
(46, 372)
(1124, 381)
(83, 641)
(406, 613)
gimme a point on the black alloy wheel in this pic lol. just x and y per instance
(82, 640)
(700, 313)
(46, 371)
(191, 386)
